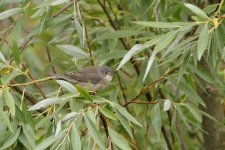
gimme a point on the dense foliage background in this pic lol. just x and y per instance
(167, 91)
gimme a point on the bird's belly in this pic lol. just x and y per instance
(93, 86)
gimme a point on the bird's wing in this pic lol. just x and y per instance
(85, 75)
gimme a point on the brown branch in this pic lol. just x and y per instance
(116, 19)
(170, 147)
(36, 83)
(28, 83)
(24, 44)
(121, 87)
(83, 133)
(126, 46)
(28, 96)
(64, 8)
(6, 33)
(132, 102)
(170, 116)
(148, 87)
(89, 44)
(181, 137)
(50, 59)
(105, 123)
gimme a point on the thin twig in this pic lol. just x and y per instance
(27, 95)
(166, 138)
(37, 85)
(116, 19)
(83, 133)
(88, 43)
(6, 33)
(121, 87)
(132, 102)
(28, 83)
(24, 44)
(50, 59)
(170, 116)
(148, 87)
(126, 46)
(64, 8)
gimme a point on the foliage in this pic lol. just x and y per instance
(158, 49)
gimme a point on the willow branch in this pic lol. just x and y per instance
(133, 102)
(24, 44)
(28, 83)
(37, 85)
(166, 138)
(64, 8)
(50, 59)
(88, 43)
(148, 87)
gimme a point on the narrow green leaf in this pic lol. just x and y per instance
(134, 50)
(183, 66)
(73, 51)
(9, 13)
(84, 93)
(44, 103)
(112, 55)
(194, 111)
(173, 125)
(156, 120)
(203, 41)
(196, 11)
(10, 102)
(183, 117)
(190, 92)
(165, 40)
(48, 141)
(53, 100)
(162, 24)
(124, 112)
(149, 65)
(210, 8)
(15, 51)
(75, 138)
(58, 2)
(24, 141)
(118, 34)
(69, 116)
(108, 113)
(29, 134)
(58, 128)
(119, 140)
(44, 122)
(161, 44)
(94, 132)
(209, 116)
(125, 123)
(2, 58)
(38, 13)
(67, 85)
(12, 139)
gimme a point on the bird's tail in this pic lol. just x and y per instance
(61, 77)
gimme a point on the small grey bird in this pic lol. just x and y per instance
(91, 78)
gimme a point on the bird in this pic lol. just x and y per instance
(91, 78)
